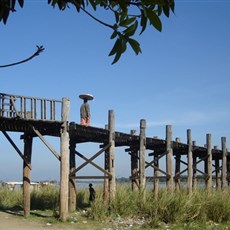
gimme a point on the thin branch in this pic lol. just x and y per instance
(38, 51)
(90, 15)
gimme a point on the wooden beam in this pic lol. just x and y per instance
(64, 168)
(111, 151)
(142, 158)
(46, 143)
(224, 183)
(209, 162)
(92, 163)
(17, 149)
(72, 181)
(90, 159)
(27, 174)
(190, 161)
(169, 156)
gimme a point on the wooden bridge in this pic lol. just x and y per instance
(39, 117)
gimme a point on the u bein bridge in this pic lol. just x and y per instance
(39, 117)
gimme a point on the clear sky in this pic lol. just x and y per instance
(181, 78)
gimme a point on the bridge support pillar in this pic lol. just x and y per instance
(28, 140)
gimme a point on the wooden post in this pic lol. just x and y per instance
(224, 164)
(112, 180)
(72, 182)
(190, 161)
(177, 169)
(217, 170)
(28, 140)
(169, 158)
(194, 179)
(64, 168)
(142, 158)
(106, 167)
(134, 165)
(209, 162)
(156, 175)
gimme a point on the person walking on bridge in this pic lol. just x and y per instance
(85, 109)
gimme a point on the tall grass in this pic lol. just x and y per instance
(178, 207)
(46, 197)
(169, 208)
(10, 199)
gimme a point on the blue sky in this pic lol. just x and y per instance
(181, 78)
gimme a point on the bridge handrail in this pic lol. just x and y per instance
(12, 106)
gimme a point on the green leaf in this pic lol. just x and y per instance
(117, 57)
(135, 46)
(21, 3)
(166, 10)
(154, 19)
(116, 16)
(13, 4)
(143, 22)
(172, 6)
(127, 21)
(92, 3)
(114, 34)
(115, 47)
(130, 31)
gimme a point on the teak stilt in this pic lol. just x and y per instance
(64, 177)
(28, 140)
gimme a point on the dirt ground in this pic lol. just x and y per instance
(11, 221)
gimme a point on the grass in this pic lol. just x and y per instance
(200, 210)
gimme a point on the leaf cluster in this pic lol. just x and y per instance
(129, 15)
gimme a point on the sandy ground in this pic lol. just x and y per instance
(10, 221)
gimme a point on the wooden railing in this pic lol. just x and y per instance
(14, 106)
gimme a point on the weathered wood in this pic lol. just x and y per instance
(72, 181)
(27, 174)
(177, 168)
(112, 180)
(169, 160)
(106, 167)
(47, 144)
(217, 172)
(209, 162)
(224, 164)
(190, 161)
(64, 174)
(156, 176)
(16, 148)
(142, 149)
(194, 177)
(89, 161)
(92, 163)
(134, 166)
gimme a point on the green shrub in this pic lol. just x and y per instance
(46, 197)
(10, 199)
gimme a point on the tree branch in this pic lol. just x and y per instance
(38, 51)
(90, 15)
